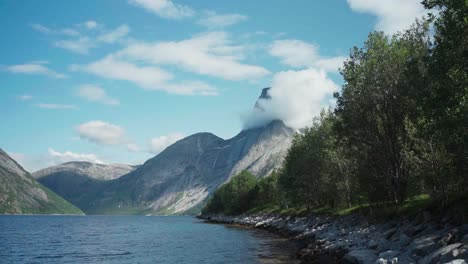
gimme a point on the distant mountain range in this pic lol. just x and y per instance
(92, 170)
(176, 181)
(20, 193)
(76, 180)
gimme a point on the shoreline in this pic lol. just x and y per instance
(421, 238)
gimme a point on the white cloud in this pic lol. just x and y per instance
(114, 35)
(132, 147)
(211, 19)
(33, 68)
(299, 54)
(164, 8)
(53, 157)
(41, 28)
(56, 106)
(82, 45)
(95, 93)
(49, 31)
(392, 16)
(148, 77)
(66, 156)
(25, 97)
(91, 24)
(158, 144)
(208, 54)
(101, 133)
(296, 98)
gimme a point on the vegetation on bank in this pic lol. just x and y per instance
(396, 140)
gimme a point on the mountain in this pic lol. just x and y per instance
(75, 180)
(20, 193)
(182, 176)
(92, 170)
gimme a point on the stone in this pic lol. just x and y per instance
(390, 254)
(457, 261)
(423, 246)
(403, 240)
(360, 256)
(389, 233)
(444, 253)
(381, 261)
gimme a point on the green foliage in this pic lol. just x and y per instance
(399, 130)
(234, 197)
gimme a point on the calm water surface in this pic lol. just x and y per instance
(134, 239)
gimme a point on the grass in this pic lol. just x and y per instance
(377, 211)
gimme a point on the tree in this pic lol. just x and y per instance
(374, 105)
(444, 101)
(234, 197)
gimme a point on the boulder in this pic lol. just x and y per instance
(360, 256)
(423, 246)
(444, 254)
(390, 254)
(457, 261)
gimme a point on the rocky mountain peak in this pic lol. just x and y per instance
(265, 95)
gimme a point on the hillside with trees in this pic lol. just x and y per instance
(399, 129)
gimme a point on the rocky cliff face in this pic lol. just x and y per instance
(20, 193)
(181, 177)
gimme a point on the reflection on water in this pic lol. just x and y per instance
(272, 249)
(135, 239)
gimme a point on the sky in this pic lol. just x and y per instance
(117, 81)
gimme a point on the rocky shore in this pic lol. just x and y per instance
(353, 239)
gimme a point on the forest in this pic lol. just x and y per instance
(399, 129)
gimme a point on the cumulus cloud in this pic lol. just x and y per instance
(53, 157)
(147, 77)
(66, 156)
(114, 35)
(81, 45)
(132, 147)
(299, 54)
(158, 144)
(211, 19)
(207, 54)
(94, 93)
(56, 106)
(91, 24)
(101, 133)
(33, 68)
(392, 16)
(296, 98)
(165, 8)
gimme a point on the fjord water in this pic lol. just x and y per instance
(134, 239)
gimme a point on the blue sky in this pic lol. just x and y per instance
(119, 80)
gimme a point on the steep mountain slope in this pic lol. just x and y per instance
(20, 193)
(182, 176)
(75, 180)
